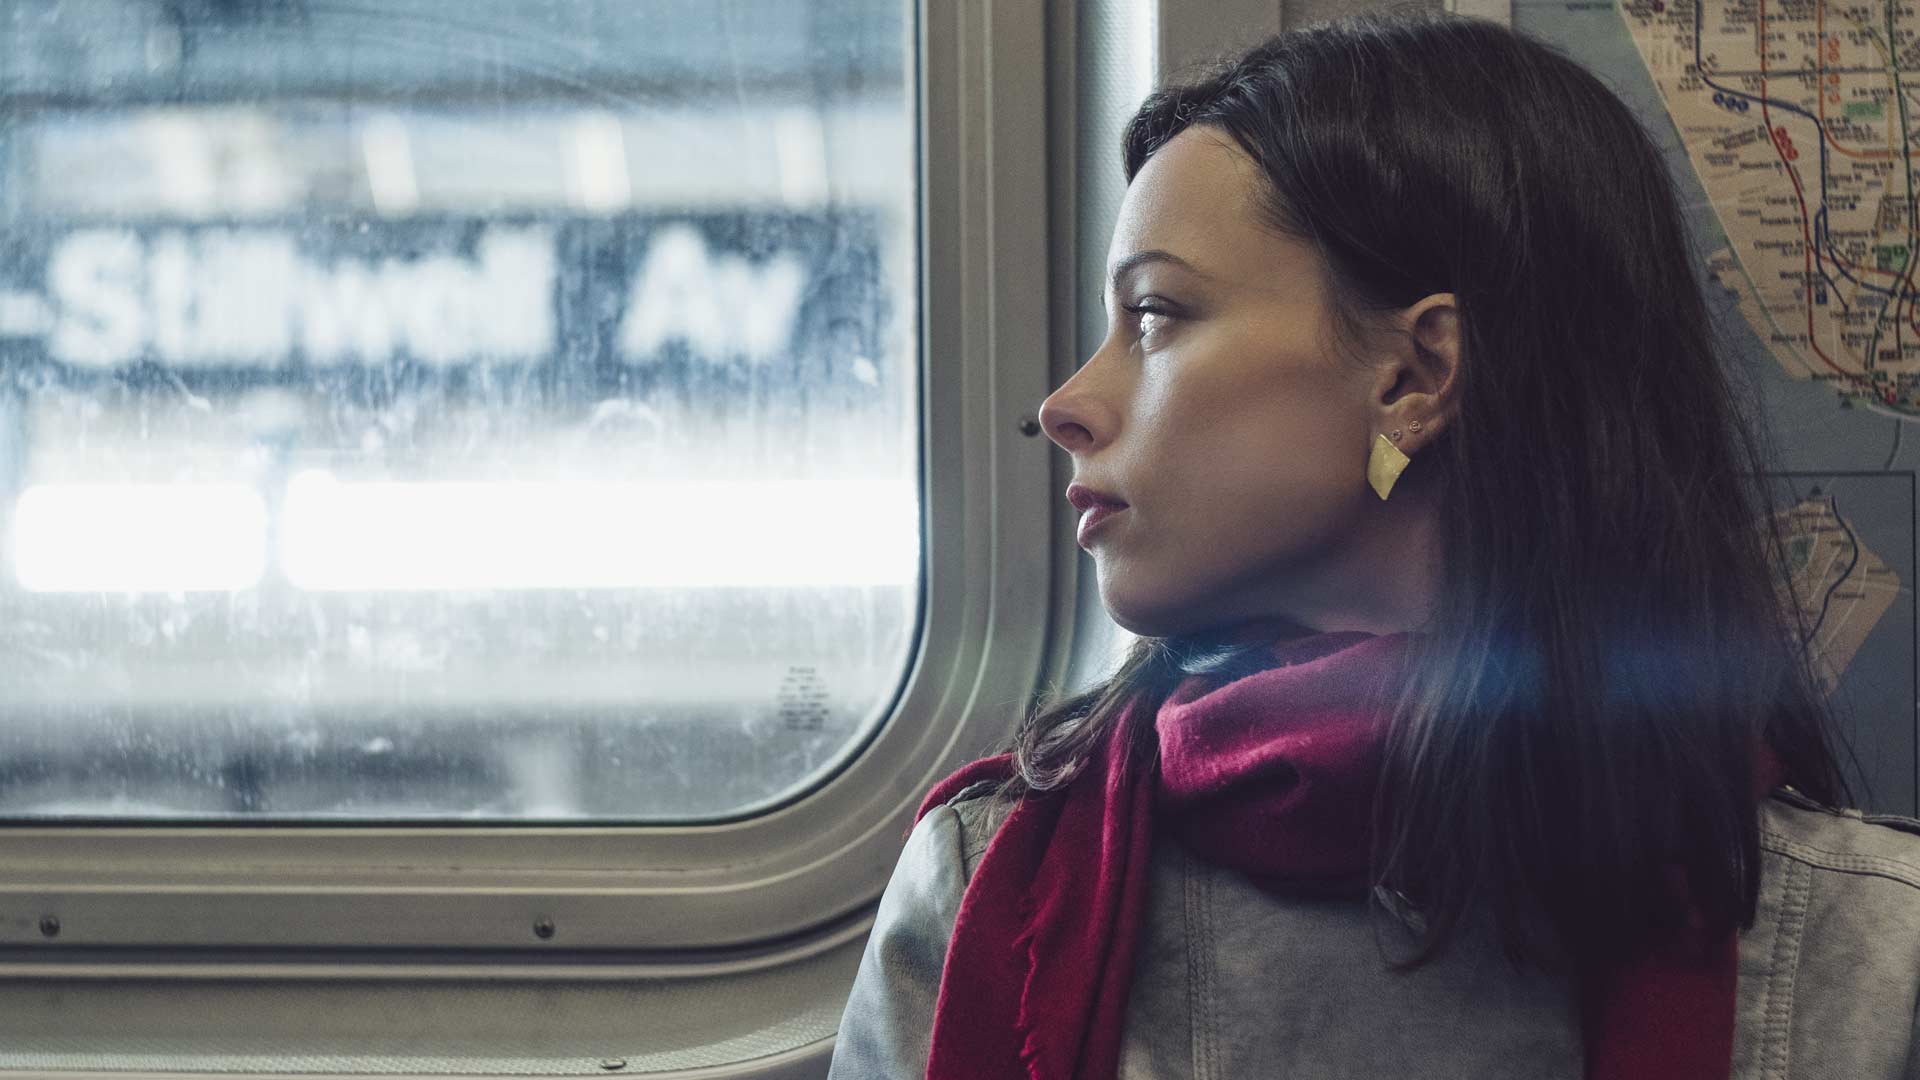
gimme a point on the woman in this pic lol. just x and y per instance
(1457, 600)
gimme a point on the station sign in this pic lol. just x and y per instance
(771, 292)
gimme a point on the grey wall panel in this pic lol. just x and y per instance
(1194, 33)
(1297, 13)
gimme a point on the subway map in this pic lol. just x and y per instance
(1789, 129)
(1796, 123)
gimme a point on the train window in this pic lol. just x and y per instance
(420, 412)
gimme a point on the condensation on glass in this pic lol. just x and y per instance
(500, 410)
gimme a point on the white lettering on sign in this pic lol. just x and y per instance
(249, 298)
(24, 314)
(223, 297)
(722, 307)
(96, 279)
(349, 316)
(220, 298)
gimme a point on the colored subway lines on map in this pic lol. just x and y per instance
(1820, 261)
(1776, 74)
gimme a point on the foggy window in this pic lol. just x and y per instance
(419, 410)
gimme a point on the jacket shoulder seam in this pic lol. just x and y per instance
(1788, 794)
(1851, 862)
(970, 805)
(972, 791)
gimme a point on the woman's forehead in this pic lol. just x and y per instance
(1196, 198)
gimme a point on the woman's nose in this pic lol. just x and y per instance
(1063, 419)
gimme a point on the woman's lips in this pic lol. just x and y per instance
(1094, 506)
(1093, 519)
(1085, 498)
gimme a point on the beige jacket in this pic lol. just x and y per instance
(1232, 982)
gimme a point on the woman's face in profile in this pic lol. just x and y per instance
(1218, 411)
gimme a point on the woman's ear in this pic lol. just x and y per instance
(1435, 323)
(1421, 382)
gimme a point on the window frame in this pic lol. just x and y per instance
(786, 884)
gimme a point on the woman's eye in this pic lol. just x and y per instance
(1151, 318)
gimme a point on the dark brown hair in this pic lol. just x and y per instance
(1615, 628)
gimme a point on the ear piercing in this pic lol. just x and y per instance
(1387, 462)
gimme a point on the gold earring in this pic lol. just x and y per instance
(1385, 465)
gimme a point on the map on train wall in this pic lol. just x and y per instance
(1790, 130)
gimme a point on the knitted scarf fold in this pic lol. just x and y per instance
(1271, 774)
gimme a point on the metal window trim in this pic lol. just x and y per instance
(69, 892)
(806, 1062)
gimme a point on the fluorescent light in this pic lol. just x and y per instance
(600, 180)
(412, 536)
(181, 155)
(139, 537)
(800, 147)
(388, 153)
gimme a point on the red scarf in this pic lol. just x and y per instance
(1042, 952)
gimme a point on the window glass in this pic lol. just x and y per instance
(498, 410)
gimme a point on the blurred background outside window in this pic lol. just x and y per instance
(503, 410)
